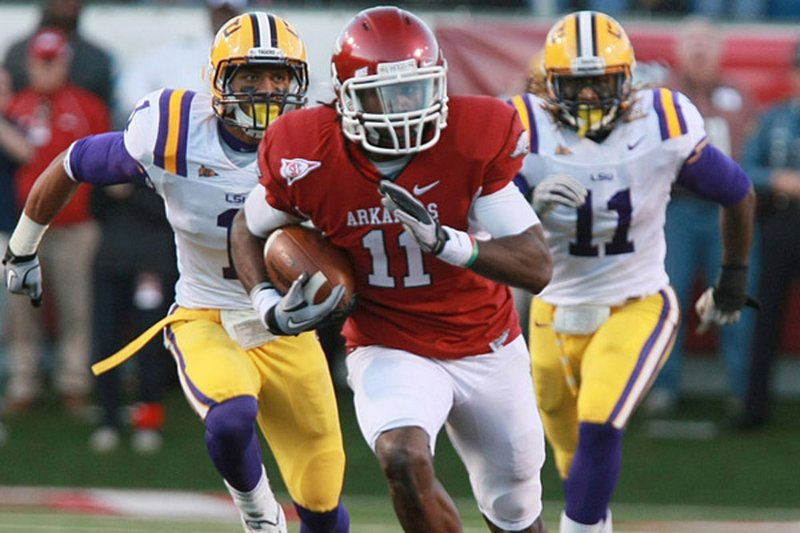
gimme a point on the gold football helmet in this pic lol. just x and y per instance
(588, 60)
(256, 39)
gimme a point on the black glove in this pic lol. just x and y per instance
(722, 303)
(23, 275)
(729, 292)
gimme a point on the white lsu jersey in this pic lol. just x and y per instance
(612, 247)
(174, 135)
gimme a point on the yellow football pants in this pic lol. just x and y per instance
(611, 369)
(289, 376)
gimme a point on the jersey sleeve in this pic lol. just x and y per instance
(142, 128)
(506, 165)
(157, 131)
(680, 124)
(102, 160)
(528, 177)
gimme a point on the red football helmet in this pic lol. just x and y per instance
(390, 81)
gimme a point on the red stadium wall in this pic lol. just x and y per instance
(492, 58)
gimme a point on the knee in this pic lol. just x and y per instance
(232, 418)
(404, 454)
(316, 484)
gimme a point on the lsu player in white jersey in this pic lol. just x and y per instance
(199, 154)
(603, 157)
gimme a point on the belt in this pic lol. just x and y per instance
(129, 350)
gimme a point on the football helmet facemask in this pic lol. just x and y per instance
(588, 61)
(261, 40)
(389, 76)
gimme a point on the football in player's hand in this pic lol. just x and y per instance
(292, 250)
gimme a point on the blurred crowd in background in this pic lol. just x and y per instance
(743, 10)
(57, 86)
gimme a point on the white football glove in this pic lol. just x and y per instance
(294, 312)
(558, 189)
(722, 303)
(23, 275)
(448, 244)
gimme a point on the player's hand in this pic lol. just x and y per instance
(558, 189)
(722, 304)
(296, 311)
(448, 244)
(23, 275)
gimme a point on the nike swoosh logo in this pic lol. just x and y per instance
(419, 191)
(292, 323)
(540, 324)
(633, 145)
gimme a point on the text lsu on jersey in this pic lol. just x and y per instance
(612, 247)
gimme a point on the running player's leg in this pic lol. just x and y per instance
(299, 417)
(221, 384)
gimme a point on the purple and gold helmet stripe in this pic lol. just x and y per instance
(173, 131)
(652, 357)
(523, 106)
(670, 114)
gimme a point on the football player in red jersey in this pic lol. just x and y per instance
(436, 231)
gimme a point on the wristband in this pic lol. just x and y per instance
(460, 248)
(730, 290)
(264, 296)
(26, 237)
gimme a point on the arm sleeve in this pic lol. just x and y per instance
(103, 160)
(261, 217)
(503, 213)
(714, 176)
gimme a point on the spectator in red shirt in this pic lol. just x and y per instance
(52, 112)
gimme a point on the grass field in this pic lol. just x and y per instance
(678, 474)
(374, 515)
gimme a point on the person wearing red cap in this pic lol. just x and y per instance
(53, 113)
(91, 68)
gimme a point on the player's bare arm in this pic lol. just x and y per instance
(293, 312)
(247, 253)
(715, 176)
(516, 256)
(737, 230)
(521, 260)
(52, 191)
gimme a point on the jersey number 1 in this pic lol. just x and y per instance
(583, 247)
(225, 220)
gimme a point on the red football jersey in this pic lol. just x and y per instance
(406, 299)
